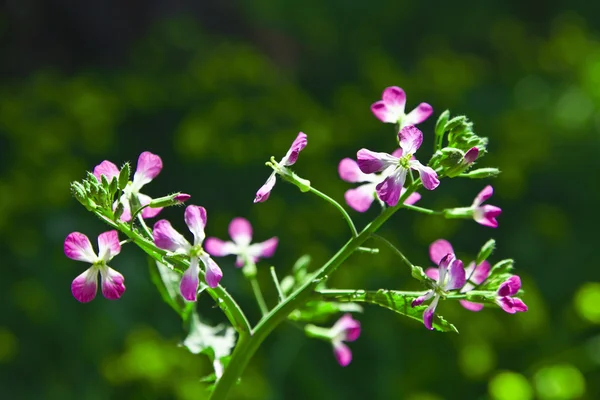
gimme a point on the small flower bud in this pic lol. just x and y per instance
(119, 210)
(459, 212)
(481, 173)
(124, 175)
(486, 251)
(440, 126)
(171, 200)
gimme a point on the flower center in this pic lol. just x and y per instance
(196, 251)
(404, 161)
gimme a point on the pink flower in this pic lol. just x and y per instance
(507, 289)
(148, 167)
(240, 231)
(346, 329)
(390, 108)
(475, 274)
(361, 197)
(289, 159)
(78, 247)
(485, 214)
(451, 276)
(397, 166)
(167, 238)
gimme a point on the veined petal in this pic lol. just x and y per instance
(346, 328)
(438, 249)
(519, 305)
(112, 283)
(213, 273)
(297, 146)
(190, 281)
(471, 155)
(428, 175)
(148, 212)
(389, 190)
(485, 194)
(350, 172)
(148, 167)
(486, 215)
(412, 198)
(456, 275)
(108, 245)
(410, 138)
(445, 262)
(77, 246)
(510, 287)
(218, 248)
(106, 168)
(265, 190)
(394, 96)
(428, 313)
(342, 353)
(421, 299)
(361, 197)
(481, 273)
(511, 304)
(195, 219)
(265, 249)
(418, 115)
(240, 231)
(167, 238)
(370, 161)
(433, 273)
(469, 305)
(85, 286)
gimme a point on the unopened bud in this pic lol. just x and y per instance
(481, 173)
(124, 176)
(441, 123)
(486, 251)
(459, 212)
(171, 200)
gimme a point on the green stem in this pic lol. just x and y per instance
(423, 210)
(351, 293)
(259, 296)
(339, 207)
(245, 349)
(393, 248)
(277, 284)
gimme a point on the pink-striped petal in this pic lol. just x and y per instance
(486, 215)
(297, 146)
(394, 96)
(485, 194)
(265, 249)
(195, 219)
(218, 248)
(167, 238)
(263, 193)
(182, 197)
(350, 172)
(418, 115)
(439, 249)
(85, 286)
(240, 231)
(510, 287)
(361, 197)
(106, 168)
(346, 328)
(188, 286)
(469, 305)
(481, 273)
(456, 275)
(148, 167)
(77, 246)
(108, 245)
(427, 174)
(342, 353)
(148, 212)
(410, 138)
(421, 299)
(433, 273)
(389, 190)
(370, 161)
(471, 155)
(112, 283)
(213, 273)
(519, 305)
(428, 313)
(511, 304)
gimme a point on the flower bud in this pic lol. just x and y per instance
(171, 200)
(481, 173)
(486, 251)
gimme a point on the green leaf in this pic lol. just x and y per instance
(500, 272)
(167, 281)
(398, 302)
(316, 311)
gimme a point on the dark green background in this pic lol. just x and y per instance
(215, 88)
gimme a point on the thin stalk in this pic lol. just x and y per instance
(259, 296)
(393, 248)
(423, 210)
(277, 284)
(339, 207)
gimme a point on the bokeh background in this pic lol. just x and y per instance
(217, 87)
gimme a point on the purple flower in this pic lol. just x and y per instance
(397, 166)
(289, 159)
(507, 289)
(391, 108)
(451, 276)
(148, 167)
(78, 247)
(485, 214)
(240, 231)
(475, 274)
(169, 239)
(346, 329)
(361, 197)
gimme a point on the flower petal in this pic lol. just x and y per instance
(428, 175)
(370, 161)
(297, 146)
(433, 273)
(510, 287)
(519, 305)
(265, 249)
(77, 246)
(148, 167)
(481, 273)
(240, 231)
(361, 197)
(469, 305)
(342, 353)
(167, 238)
(412, 198)
(350, 172)
(456, 275)
(346, 328)
(389, 190)
(263, 193)
(421, 299)
(485, 194)
(486, 215)
(439, 249)
(471, 155)
(106, 168)
(394, 96)
(85, 286)
(112, 283)
(218, 248)
(195, 219)
(148, 212)
(108, 245)
(126, 215)
(410, 138)
(213, 273)
(190, 281)
(428, 313)
(418, 115)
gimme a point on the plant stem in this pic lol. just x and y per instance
(393, 248)
(277, 284)
(339, 207)
(259, 296)
(423, 210)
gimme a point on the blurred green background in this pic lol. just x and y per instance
(215, 88)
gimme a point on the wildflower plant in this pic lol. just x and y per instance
(393, 180)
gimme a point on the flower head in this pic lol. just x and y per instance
(485, 214)
(290, 158)
(167, 238)
(240, 231)
(397, 166)
(346, 329)
(148, 167)
(390, 108)
(78, 247)
(361, 197)
(505, 298)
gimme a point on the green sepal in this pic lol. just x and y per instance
(499, 273)
(124, 174)
(486, 250)
(481, 173)
(440, 125)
